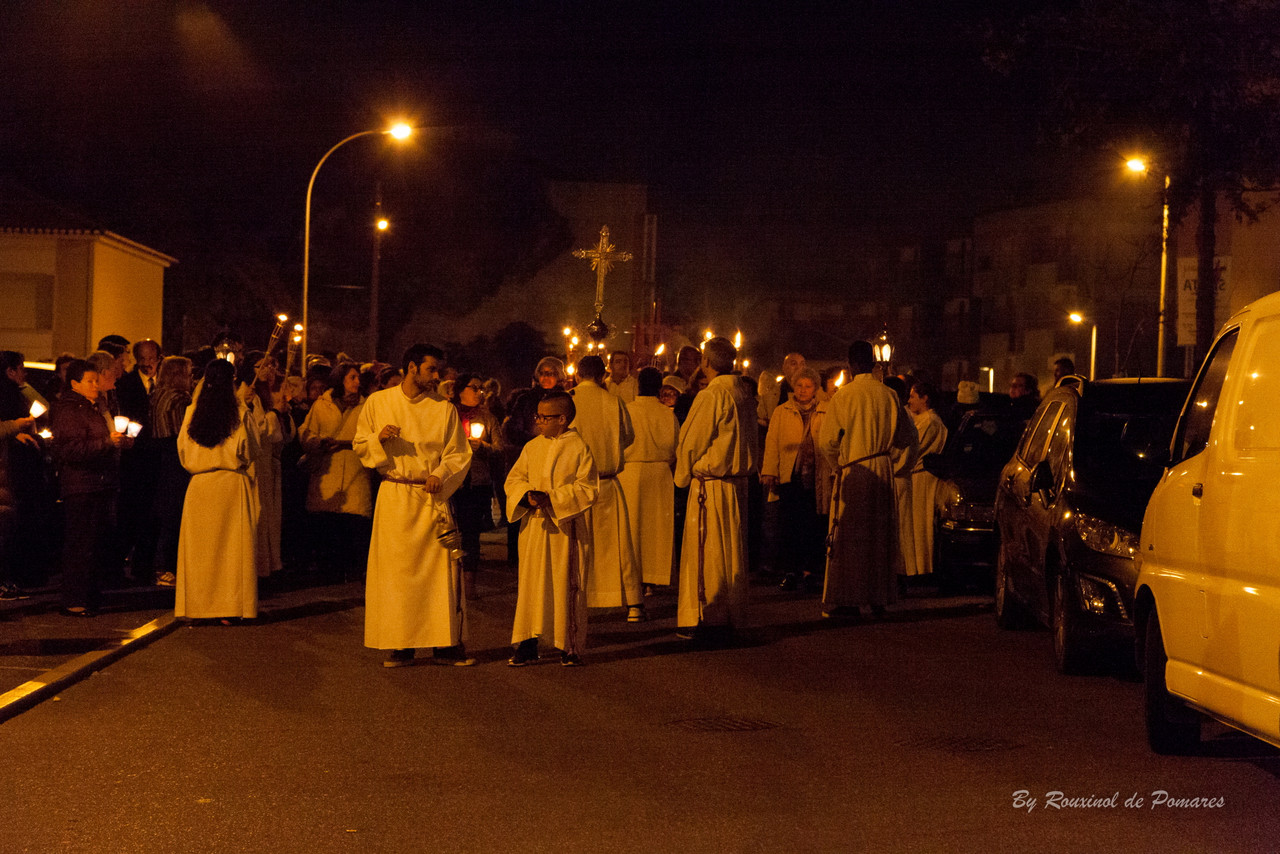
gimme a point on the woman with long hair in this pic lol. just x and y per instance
(169, 404)
(340, 487)
(217, 545)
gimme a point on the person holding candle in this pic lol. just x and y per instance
(86, 447)
(21, 476)
(473, 502)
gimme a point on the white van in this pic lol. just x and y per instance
(1207, 607)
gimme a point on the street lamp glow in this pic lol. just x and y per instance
(400, 130)
(708, 335)
(1136, 164)
(1076, 317)
(567, 332)
(383, 224)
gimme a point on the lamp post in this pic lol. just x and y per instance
(1139, 165)
(399, 132)
(1077, 317)
(882, 349)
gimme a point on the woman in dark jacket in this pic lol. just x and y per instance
(87, 450)
(473, 501)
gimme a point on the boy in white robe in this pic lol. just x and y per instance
(413, 589)
(717, 449)
(549, 491)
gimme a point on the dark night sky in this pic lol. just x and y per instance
(771, 128)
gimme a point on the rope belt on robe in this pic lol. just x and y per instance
(392, 477)
(571, 638)
(837, 497)
(702, 533)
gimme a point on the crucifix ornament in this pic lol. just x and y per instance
(602, 259)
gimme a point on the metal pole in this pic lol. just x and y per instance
(1093, 350)
(306, 242)
(1164, 277)
(373, 283)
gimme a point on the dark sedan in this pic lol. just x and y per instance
(969, 467)
(1069, 510)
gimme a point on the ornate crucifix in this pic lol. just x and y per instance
(602, 258)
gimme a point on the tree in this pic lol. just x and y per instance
(1197, 80)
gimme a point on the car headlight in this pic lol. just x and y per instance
(1099, 596)
(1102, 536)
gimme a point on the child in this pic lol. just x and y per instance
(549, 488)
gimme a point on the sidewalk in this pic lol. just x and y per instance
(42, 651)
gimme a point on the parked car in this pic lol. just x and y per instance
(1069, 507)
(969, 467)
(1207, 605)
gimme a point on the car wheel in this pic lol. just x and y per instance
(1009, 612)
(1172, 728)
(1069, 647)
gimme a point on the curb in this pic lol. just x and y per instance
(30, 694)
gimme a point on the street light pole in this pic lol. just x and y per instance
(400, 131)
(1164, 278)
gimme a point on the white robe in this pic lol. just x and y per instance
(217, 543)
(865, 426)
(904, 559)
(413, 590)
(649, 488)
(555, 548)
(604, 425)
(627, 389)
(273, 432)
(717, 450)
(924, 490)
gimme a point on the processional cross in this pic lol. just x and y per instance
(602, 258)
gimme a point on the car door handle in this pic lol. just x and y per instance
(1197, 490)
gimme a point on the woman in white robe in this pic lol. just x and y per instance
(924, 486)
(217, 544)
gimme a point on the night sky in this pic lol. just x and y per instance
(768, 130)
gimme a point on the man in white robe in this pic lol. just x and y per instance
(550, 489)
(866, 437)
(717, 450)
(924, 486)
(414, 439)
(621, 381)
(647, 481)
(603, 423)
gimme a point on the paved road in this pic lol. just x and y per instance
(910, 734)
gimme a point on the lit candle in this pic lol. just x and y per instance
(133, 428)
(662, 348)
(122, 423)
(38, 409)
(840, 379)
(477, 430)
(46, 433)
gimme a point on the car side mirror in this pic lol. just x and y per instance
(1042, 480)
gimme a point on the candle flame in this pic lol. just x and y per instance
(46, 433)
(38, 409)
(662, 348)
(477, 430)
(708, 335)
(840, 379)
(737, 339)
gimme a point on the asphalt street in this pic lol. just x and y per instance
(912, 733)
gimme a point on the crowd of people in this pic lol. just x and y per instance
(215, 474)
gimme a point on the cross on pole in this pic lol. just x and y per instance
(602, 258)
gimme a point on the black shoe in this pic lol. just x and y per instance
(570, 659)
(399, 658)
(455, 656)
(526, 653)
(789, 582)
(10, 592)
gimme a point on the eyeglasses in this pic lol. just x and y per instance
(544, 418)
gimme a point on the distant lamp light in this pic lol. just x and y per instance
(574, 341)
(570, 370)
(400, 130)
(567, 332)
(1136, 164)
(708, 335)
(383, 224)
(1076, 317)
(882, 347)
(746, 363)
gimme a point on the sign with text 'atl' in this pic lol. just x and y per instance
(1188, 275)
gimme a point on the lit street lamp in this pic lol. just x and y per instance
(1139, 165)
(399, 132)
(882, 348)
(1077, 317)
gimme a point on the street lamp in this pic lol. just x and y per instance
(1077, 317)
(1139, 165)
(399, 131)
(882, 348)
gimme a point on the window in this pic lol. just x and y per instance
(1193, 429)
(1033, 441)
(1257, 424)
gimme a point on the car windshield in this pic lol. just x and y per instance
(1130, 441)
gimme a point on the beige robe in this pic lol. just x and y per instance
(413, 589)
(604, 425)
(217, 543)
(717, 451)
(904, 559)
(339, 484)
(924, 490)
(555, 547)
(649, 488)
(627, 389)
(867, 427)
(273, 432)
